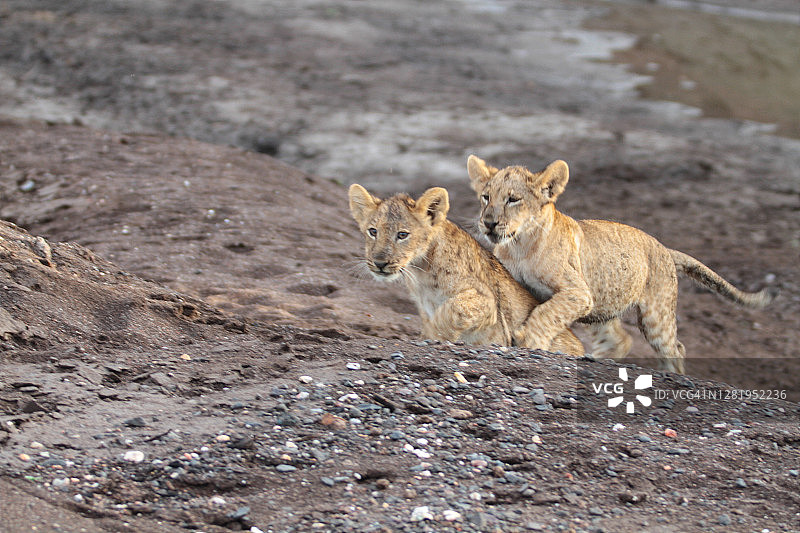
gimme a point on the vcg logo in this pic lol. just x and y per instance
(645, 381)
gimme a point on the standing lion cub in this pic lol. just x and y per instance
(591, 271)
(462, 292)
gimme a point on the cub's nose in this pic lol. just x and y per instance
(380, 265)
(490, 225)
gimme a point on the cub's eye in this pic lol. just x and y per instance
(485, 198)
(402, 235)
(372, 232)
(513, 200)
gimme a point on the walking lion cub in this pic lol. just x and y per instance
(461, 291)
(589, 271)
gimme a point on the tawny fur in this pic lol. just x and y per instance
(461, 291)
(590, 271)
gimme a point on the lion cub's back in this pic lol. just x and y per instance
(618, 261)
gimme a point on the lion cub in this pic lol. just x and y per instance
(586, 270)
(461, 291)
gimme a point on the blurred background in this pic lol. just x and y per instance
(677, 117)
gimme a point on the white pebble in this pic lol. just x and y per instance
(618, 427)
(78, 498)
(353, 366)
(422, 454)
(451, 515)
(133, 456)
(421, 513)
(305, 379)
(217, 500)
(37, 445)
(351, 396)
(223, 438)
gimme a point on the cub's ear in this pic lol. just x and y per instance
(362, 203)
(479, 172)
(433, 205)
(553, 179)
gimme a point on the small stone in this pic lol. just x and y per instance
(333, 421)
(460, 414)
(239, 513)
(482, 521)
(186, 357)
(671, 433)
(497, 471)
(27, 185)
(740, 483)
(409, 494)
(217, 500)
(327, 481)
(305, 379)
(133, 456)
(724, 520)
(397, 355)
(37, 445)
(595, 511)
(538, 397)
(513, 477)
(451, 516)
(520, 390)
(353, 366)
(60, 482)
(382, 484)
(421, 513)
(243, 443)
(137, 422)
(460, 377)
(223, 438)
(283, 469)
(397, 435)
(644, 438)
(794, 473)
(78, 498)
(692, 409)
(679, 451)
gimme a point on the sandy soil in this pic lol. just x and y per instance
(200, 281)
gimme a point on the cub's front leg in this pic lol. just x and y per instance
(552, 317)
(469, 311)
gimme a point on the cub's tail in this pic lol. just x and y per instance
(703, 275)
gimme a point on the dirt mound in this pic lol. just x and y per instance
(63, 295)
(242, 231)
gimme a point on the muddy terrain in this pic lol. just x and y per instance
(184, 346)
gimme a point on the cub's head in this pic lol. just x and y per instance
(398, 230)
(513, 197)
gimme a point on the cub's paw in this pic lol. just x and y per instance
(522, 337)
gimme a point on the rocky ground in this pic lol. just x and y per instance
(183, 347)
